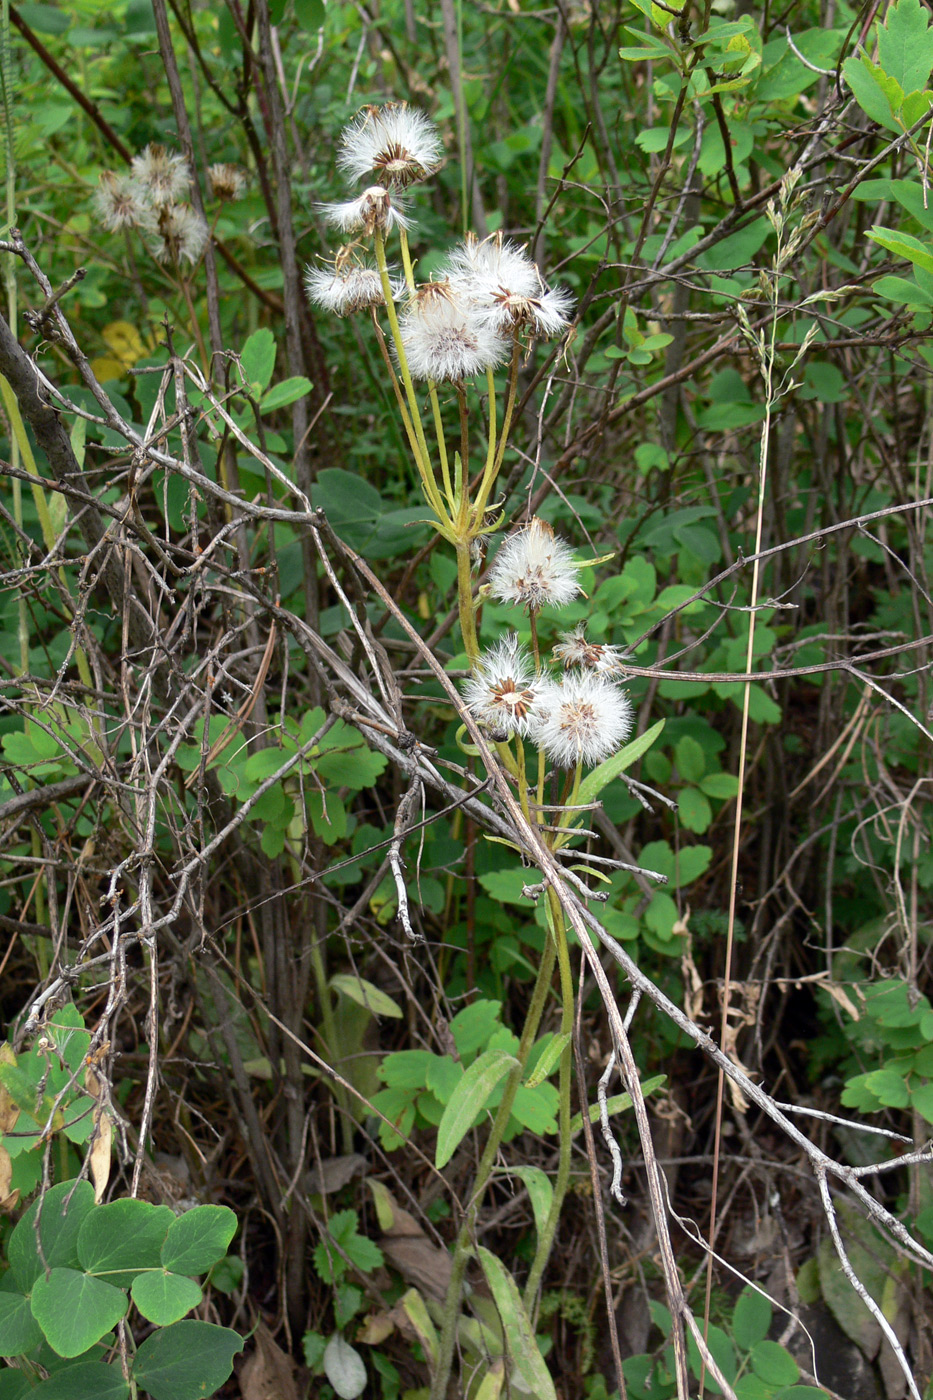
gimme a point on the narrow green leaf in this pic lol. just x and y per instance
(164, 1298)
(600, 777)
(285, 393)
(188, 1361)
(469, 1097)
(618, 1103)
(75, 1310)
(359, 990)
(527, 1362)
(258, 359)
(548, 1060)
(540, 1192)
(197, 1239)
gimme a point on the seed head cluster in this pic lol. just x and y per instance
(535, 568)
(153, 199)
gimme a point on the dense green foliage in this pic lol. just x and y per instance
(237, 616)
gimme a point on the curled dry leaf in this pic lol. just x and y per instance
(267, 1373)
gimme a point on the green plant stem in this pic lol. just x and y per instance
(494, 462)
(442, 447)
(465, 601)
(464, 1244)
(558, 932)
(330, 1034)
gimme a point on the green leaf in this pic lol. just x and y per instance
(81, 1381)
(774, 1363)
(695, 812)
(363, 992)
(505, 886)
(690, 758)
(117, 1240)
(468, 1099)
(905, 44)
(904, 245)
(889, 1087)
(528, 1364)
(720, 785)
(536, 1109)
(258, 360)
(164, 1298)
(187, 1361)
(344, 1368)
(60, 1223)
(285, 393)
(921, 1099)
(540, 1192)
(865, 80)
(593, 784)
(548, 1060)
(751, 1318)
(472, 1027)
(197, 1239)
(75, 1310)
(19, 1330)
(617, 1103)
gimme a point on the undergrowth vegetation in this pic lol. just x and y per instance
(464, 700)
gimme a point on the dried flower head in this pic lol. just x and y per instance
(573, 649)
(397, 143)
(121, 203)
(348, 286)
(445, 339)
(504, 689)
(184, 234)
(227, 181)
(508, 289)
(535, 567)
(375, 208)
(164, 176)
(583, 719)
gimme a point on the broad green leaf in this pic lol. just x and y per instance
(19, 1330)
(889, 1087)
(285, 393)
(359, 990)
(536, 1109)
(75, 1310)
(593, 784)
(60, 1224)
(921, 1099)
(528, 1364)
(14, 1385)
(344, 1368)
(197, 1239)
(468, 1099)
(863, 78)
(258, 360)
(904, 245)
(751, 1318)
(905, 44)
(774, 1363)
(472, 1027)
(163, 1297)
(690, 758)
(119, 1239)
(188, 1361)
(902, 291)
(694, 809)
(82, 1381)
(505, 886)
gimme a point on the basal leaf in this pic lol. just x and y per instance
(524, 1354)
(63, 1208)
(359, 990)
(19, 1330)
(468, 1099)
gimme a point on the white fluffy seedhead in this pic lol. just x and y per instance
(348, 286)
(184, 234)
(396, 143)
(504, 688)
(374, 209)
(535, 567)
(582, 719)
(507, 288)
(444, 339)
(163, 176)
(121, 203)
(573, 649)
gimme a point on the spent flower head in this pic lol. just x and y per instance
(534, 567)
(373, 209)
(503, 690)
(227, 181)
(445, 339)
(349, 285)
(396, 143)
(163, 175)
(184, 234)
(582, 719)
(573, 649)
(507, 288)
(121, 203)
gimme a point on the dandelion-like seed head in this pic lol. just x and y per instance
(504, 689)
(508, 289)
(581, 720)
(374, 209)
(227, 181)
(121, 203)
(534, 567)
(184, 234)
(349, 285)
(397, 143)
(573, 649)
(164, 176)
(444, 339)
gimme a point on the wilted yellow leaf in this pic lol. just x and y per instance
(8, 1110)
(99, 1159)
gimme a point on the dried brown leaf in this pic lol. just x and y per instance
(99, 1157)
(267, 1373)
(8, 1110)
